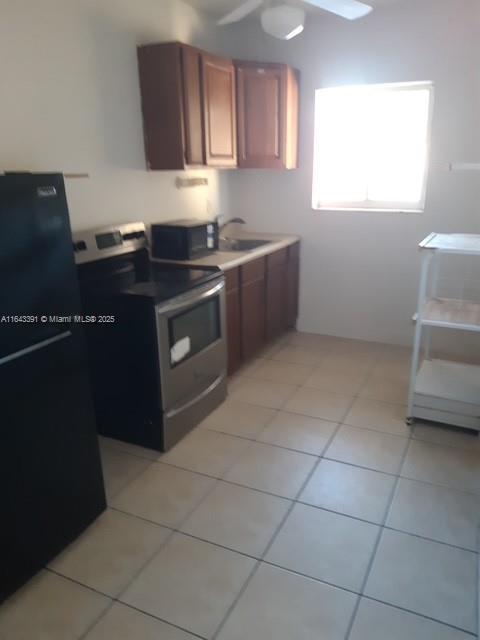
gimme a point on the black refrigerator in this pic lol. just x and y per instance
(51, 478)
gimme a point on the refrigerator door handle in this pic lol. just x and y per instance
(34, 347)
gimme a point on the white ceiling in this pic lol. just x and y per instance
(218, 8)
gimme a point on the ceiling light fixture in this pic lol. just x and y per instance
(286, 22)
(283, 22)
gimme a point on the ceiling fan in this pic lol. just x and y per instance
(286, 21)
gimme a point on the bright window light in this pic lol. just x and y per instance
(371, 147)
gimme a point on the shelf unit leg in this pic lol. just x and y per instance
(433, 294)
(428, 343)
(417, 341)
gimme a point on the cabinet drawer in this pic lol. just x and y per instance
(254, 270)
(232, 279)
(277, 259)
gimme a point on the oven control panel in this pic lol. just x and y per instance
(104, 242)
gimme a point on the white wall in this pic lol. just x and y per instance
(70, 102)
(360, 270)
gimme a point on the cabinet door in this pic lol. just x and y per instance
(276, 320)
(234, 336)
(219, 105)
(160, 73)
(267, 116)
(253, 307)
(192, 106)
(293, 275)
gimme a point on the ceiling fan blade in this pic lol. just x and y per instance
(350, 9)
(240, 12)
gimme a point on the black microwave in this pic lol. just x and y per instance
(184, 239)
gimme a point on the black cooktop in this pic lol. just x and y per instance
(166, 282)
(135, 275)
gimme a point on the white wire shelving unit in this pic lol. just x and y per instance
(443, 390)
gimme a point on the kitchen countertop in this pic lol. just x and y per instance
(230, 259)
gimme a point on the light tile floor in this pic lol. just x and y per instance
(302, 508)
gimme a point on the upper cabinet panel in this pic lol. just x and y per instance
(189, 107)
(219, 102)
(192, 105)
(267, 115)
(162, 105)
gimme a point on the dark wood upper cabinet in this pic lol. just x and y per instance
(267, 116)
(192, 106)
(198, 107)
(160, 70)
(219, 103)
(188, 107)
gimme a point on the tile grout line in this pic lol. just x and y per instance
(173, 532)
(164, 542)
(420, 615)
(215, 429)
(222, 479)
(379, 537)
(275, 534)
(158, 459)
(113, 600)
(295, 501)
(382, 527)
(352, 464)
(307, 504)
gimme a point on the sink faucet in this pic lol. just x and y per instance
(224, 224)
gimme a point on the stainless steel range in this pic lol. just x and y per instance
(156, 337)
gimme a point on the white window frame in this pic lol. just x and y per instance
(375, 205)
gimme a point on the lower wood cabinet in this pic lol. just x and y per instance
(277, 298)
(293, 277)
(262, 303)
(234, 337)
(252, 298)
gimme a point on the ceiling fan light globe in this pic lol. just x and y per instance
(283, 22)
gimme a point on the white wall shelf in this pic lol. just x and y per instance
(449, 313)
(444, 391)
(459, 243)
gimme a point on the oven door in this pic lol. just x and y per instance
(191, 333)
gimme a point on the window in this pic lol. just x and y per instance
(371, 147)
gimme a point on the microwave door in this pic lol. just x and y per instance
(198, 240)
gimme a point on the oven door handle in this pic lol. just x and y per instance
(189, 403)
(189, 299)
